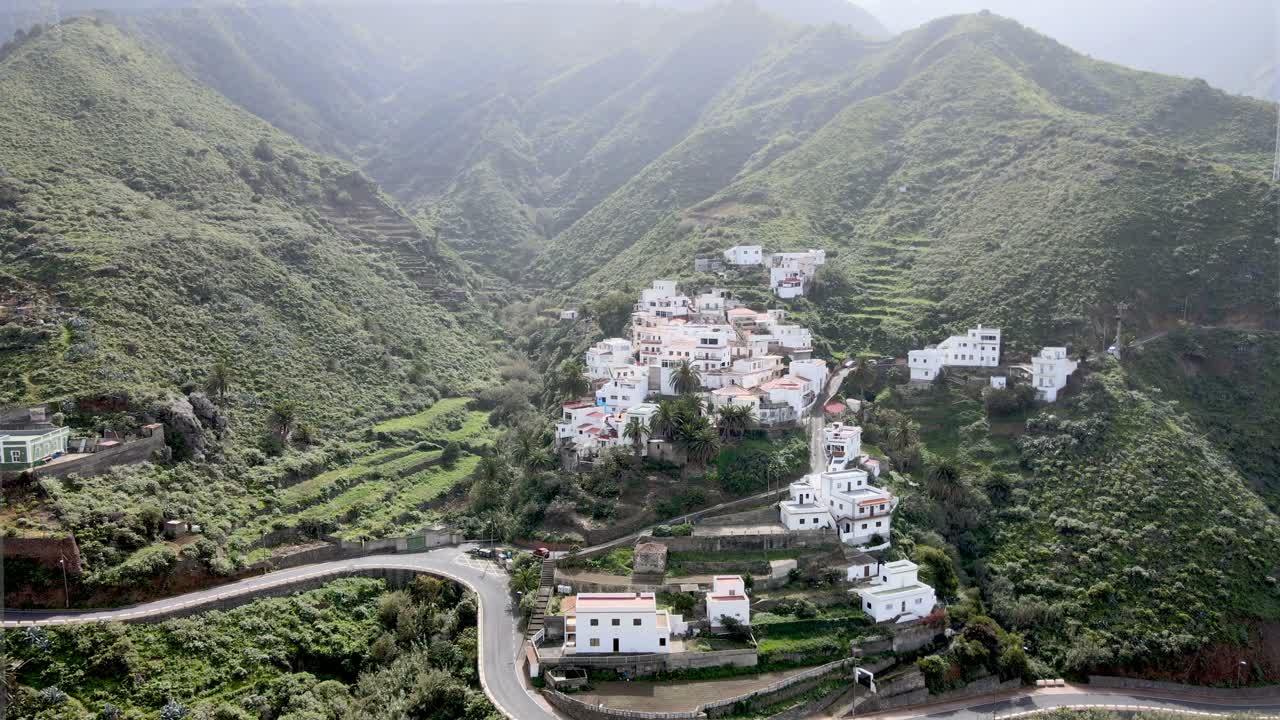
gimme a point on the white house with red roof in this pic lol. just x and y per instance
(728, 598)
(844, 501)
(601, 623)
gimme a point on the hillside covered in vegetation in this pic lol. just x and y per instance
(150, 230)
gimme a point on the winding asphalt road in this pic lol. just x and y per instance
(500, 642)
(1028, 701)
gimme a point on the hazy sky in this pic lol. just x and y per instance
(1226, 42)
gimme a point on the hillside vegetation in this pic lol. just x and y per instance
(351, 649)
(153, 229)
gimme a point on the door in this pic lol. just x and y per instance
(615, 641)
(866, 571)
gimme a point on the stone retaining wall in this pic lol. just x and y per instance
(130, 453)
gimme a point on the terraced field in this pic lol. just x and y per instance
(884, 267)
(385, 491)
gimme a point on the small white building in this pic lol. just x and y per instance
(1049, 372)
(898, 594)
(569, 314)
(628, 388)
(728, 598)
(862, 568)
(619, 623)
(979, 347)
(999, 382)
(744, 255)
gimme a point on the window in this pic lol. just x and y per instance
(595, 622)
(636, 622)
(864, 526)
(919, 601)
(15, 456)
(877, 523)
(617, 622)
(868, 606)
(888, 606)
(662, 642)
(595, 642)
(801, 521)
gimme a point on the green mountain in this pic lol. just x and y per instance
(969, 171)
(149, 228)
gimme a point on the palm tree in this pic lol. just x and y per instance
(284, 416)
(701, 444)
(687, 379)
(735, 420)
(525, 447)
(666, 421)
(635, 432)
(573, 381)
(219, 380)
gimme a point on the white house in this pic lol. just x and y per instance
(979, 347)
(790, 274)
(736, 395)
(744, 255)
(619, 623)
(844, 500)
(1049, 372)
(862, 568)
(628, 387)
(728, 598)
(999, 382)
(842, 445)
(568, 314)
(898, 594)
(607, 354)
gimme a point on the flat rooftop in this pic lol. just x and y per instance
(890, 592)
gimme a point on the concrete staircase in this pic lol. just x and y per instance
(546, 587)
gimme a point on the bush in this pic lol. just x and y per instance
(935, 669)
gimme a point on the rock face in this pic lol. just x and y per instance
(191, 426)
(211, 416)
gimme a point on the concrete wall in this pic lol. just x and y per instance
(650, 664)
(131, 453)
(778, 541)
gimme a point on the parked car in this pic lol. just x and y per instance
(542, 552)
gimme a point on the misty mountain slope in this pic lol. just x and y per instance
(161, 228)
(1020, 207)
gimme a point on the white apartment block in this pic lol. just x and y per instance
(606, 355)
(1049, 372)
(898, 594)
(842, 445)
(744, 255)
(589, 428)
(980, 347)
(728, 598)
(619, 623)
(628, 387)
(791, 274)
(843, 500)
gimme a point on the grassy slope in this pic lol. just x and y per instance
(1229, 382)
(142, 205)
(1141, 537)
(1112, 532)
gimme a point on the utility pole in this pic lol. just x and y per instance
(66, 592)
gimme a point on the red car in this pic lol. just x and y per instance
(542, 552)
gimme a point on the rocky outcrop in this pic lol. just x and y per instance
(193, 425)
